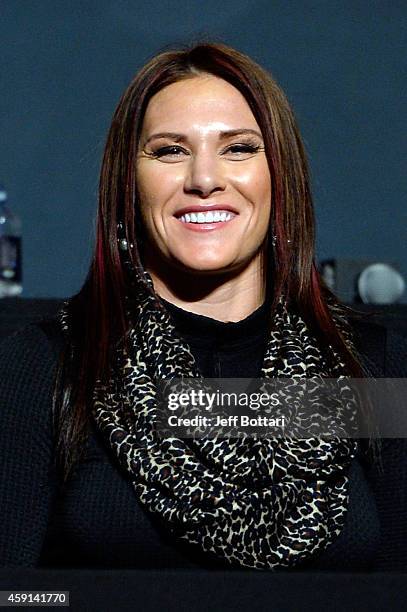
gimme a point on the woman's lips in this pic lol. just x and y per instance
(206, 226)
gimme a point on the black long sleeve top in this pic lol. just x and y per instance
(95, 520)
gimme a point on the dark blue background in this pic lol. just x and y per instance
(65, 64)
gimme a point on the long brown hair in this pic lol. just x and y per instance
(97, 311)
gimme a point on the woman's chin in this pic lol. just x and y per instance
(210, 265)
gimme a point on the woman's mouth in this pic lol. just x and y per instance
(209, 220)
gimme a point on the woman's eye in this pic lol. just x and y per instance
(170, 151)
(242, 150)
(234, 151)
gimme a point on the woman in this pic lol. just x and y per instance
(203, 265)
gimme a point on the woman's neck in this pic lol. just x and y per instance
(230, 298)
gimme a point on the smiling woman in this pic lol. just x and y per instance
(205, 192)
(203, 267)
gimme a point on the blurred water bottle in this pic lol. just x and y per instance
(10, 249)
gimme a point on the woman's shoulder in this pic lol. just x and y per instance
(28, 366)
(31, 354)
(46, 331)
(382, 349)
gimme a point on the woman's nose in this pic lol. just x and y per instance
(204, 175)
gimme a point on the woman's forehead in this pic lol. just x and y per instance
(206, 101)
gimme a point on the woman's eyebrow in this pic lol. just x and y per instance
(238, 132)
(177, 137)
(173, 135)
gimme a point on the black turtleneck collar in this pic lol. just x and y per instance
(207, 331)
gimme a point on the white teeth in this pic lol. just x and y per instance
(206, 217)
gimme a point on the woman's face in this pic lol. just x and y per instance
(203, 178)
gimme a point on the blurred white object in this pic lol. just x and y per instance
(10, 249)
(328, 274)
(380, 284)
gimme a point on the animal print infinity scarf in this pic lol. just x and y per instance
(256, 503)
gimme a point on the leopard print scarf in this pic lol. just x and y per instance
(255, 503)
